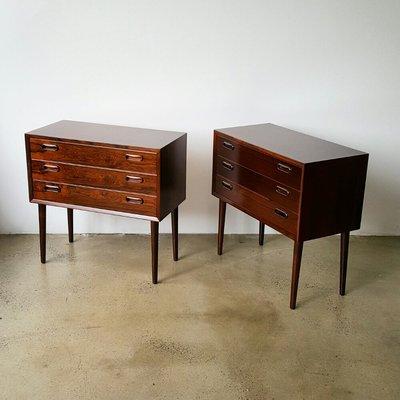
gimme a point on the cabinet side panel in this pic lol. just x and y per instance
(172, 176)
(333, 194)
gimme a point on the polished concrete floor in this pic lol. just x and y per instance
(90, 325)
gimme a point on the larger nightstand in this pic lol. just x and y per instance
(132, 172)
(302, 186)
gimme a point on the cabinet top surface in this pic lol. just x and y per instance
(290, 144)
(107, 134)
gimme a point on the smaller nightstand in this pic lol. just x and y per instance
(132, 172)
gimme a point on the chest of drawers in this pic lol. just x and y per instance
(301, 186)
(131, 172)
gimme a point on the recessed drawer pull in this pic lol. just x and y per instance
(228, 145)
(281, 213)
(227, 165)
(284, 168)
(52, 188)
(49, 147)
(135, 179)
(50, 168)
(227, 185)
(134, 200)
(134, 157)
(282, 191)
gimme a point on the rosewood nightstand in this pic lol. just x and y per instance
(131, 172)
(302, 186)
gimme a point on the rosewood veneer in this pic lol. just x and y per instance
(302, 186)
(132, 172)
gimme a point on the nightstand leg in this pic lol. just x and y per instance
(297, 252)
(174, 222)
(154, 250)
(221, 225)
(70, 213)
(344, 252)
(42, 232)
(261, 234)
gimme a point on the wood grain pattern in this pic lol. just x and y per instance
(117, 170)
(302, 186)
(94, 176)
(288, 144)
(93, 197)
(264, 186)
(257, 206)
(278, 169)
(107, 135)
(127, 160)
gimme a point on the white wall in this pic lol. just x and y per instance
(327, 68)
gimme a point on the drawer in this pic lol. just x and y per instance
(266, 187)
(272, 214)
(125, 159)
(92, 176)
(96, 198)
(257, 161)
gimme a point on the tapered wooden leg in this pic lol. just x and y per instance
(42, 232)
(261, 234)
(174, 221)
(70, 213)
(221, 225)
(344, 252)
(297, 252)
(154, 250)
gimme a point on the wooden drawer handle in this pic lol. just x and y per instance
(282, 191)
(52, 188)
(134, 157)
(228, 145)
(227, 185)
(134, 200)
(227, 165)
(134, 179)
(50, 168)
(281, 213)
(284, 168)
(49, 147)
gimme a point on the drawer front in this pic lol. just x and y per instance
(97, 198)
(264, 164)
(128, 160)
(92, 176)
(266, 187)
(274, 215)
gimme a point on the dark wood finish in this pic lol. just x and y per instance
(288, 144)
(302, 186)
(264, 186)
(261, 234)
(174, 223)
(221, 225)
(269, 212)
(70, 214)
(297, 253)
(105, 199)
(332, 197)
(154, 250)
(173, 180)
(265, 164)
(107, 135)
(94, 177)
(133, 160)
(42, 232)
(344, 251)
(140, 173)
